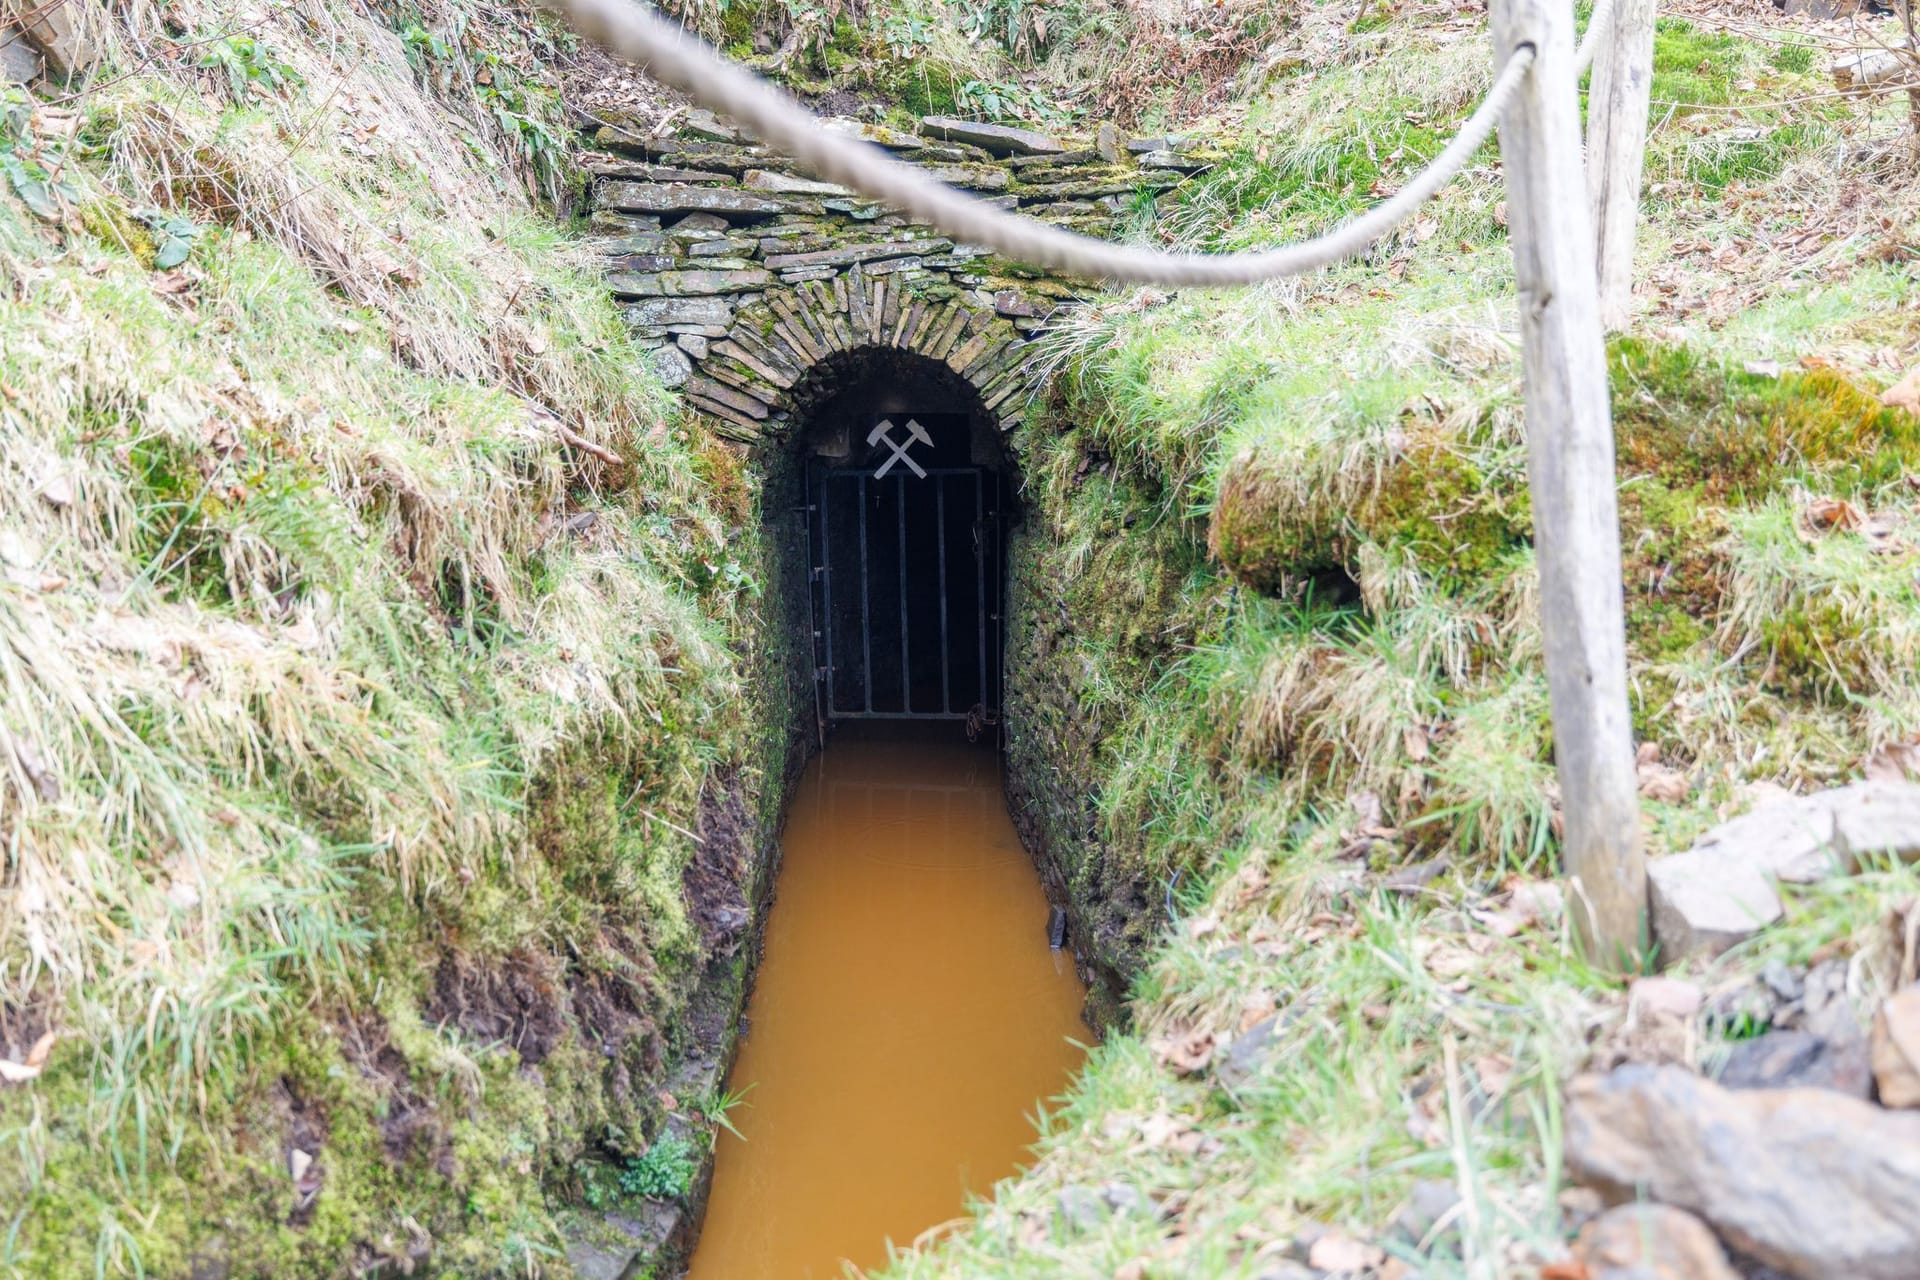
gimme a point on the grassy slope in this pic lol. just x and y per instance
(352, 715)
(1370, 694)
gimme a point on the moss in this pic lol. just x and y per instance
(1689, 421)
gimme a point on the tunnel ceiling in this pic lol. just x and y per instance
(746, 280)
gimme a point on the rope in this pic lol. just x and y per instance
(1599, 22)
(676, 58)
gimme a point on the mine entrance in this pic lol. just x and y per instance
(905, 567)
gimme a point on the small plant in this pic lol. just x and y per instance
(24, 162)
(997, 100)
(715, 1109)
(907, 35)
(248, 65)
(173, 236)
(664, 1172)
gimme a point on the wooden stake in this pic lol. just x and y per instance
(1617, 148)
(1570, 473)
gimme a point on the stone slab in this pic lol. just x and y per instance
(1704, 902)
(997, 139)
(680, 197)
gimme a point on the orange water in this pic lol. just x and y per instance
(907, 1021)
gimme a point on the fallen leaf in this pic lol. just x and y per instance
(1831, 514)
(1894, 762)
(16, 1072)
(1415, 739)
(1763, 368)
(1184, 1051)
(37, 1055)
(1341, 1255)
(1567, 1270)
(1904, 394)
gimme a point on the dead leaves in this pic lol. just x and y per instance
(1184, 1050)
(1659, 781)
(1894, 762)
(1904, 394)
(1825, 517)
(36, 1061)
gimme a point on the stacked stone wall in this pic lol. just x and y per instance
(742, 275)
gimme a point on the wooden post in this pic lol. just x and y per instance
(1570, 474)
(1617, 150)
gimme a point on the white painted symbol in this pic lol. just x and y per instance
(914, 432)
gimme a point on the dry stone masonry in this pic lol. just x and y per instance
(747, 279)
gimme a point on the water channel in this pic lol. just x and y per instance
(908, 1018)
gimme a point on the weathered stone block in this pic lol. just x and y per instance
(1876, 819)
(677, 197)
(1813, 1182)
(1704, 902)
(664, 311)
(998, 139)
(788, 184)
(847, 255)
(612, 167)
(1896, 1049)
(1790, 840)
(741, 279)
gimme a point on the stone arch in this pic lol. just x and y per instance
(741, 274)
(758, 377)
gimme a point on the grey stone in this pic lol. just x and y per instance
(1428, 1215)
(717, 279)
(679, 197)
(1248, 1053)
(1106, 141)
(998, 139)
(1876, 819)
(693, 344)
(1165, 142)
(1172, 160)
(1810, 1181)
(1287, 1270)
(20, 62)
(786, 183)
(56, 31)
(722, 247)
(635, 284)
(593, 1261)
(971, 177)
(703, 124)
(671, 366)
(1652, 1242)
(1081, 1208)
(847, 255)
(1799, 1059)
(1124, 1199)
(664, 311)
(1704, 901)
(1790, 840)
(700, 226)
(637, 171)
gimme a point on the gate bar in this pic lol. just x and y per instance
(940, 541)
(866, 619)
(826, 584)
(906, 655)
(980, 574)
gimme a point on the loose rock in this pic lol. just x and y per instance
(999, 139)
(1896, 1049)
(1799, 1059)
(1705, 901)
(1811, 1181)
(1652, 1242)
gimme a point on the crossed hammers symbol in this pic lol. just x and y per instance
(914, 432)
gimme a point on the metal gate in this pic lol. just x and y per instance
(906, 580)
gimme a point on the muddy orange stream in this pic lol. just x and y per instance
(907, 1021)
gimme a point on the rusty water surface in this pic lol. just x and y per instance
(907, 1021)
